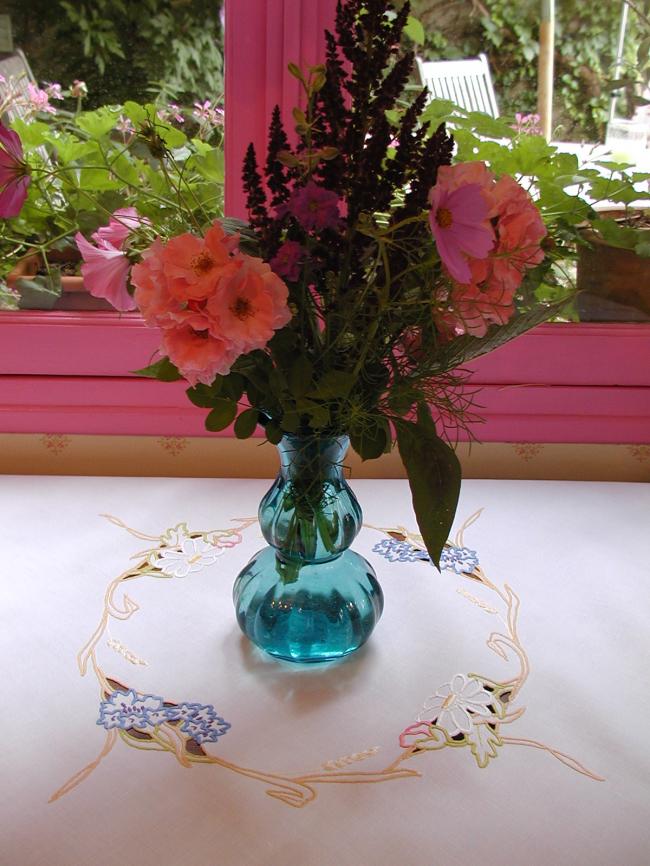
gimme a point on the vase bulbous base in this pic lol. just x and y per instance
(316, 613)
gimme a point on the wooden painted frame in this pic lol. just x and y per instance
(70, 372)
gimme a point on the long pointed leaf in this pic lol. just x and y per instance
(434, 476)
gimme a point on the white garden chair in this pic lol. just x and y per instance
(16, 75)
(467, 83)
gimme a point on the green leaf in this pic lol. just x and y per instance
(491, 127)
(98, 123)
(32, 134)
(434, 476)
(643, 249)
(335, 384)
(619, 235)
(222, 415)
(163, 370)
(273, 432)
(414, 30)
(210, 165)
(371, 438)
(246, 423)
(295, 71)
(204, 395)
(173, 138)
(233, 386)
(135, 112)
(319, 415)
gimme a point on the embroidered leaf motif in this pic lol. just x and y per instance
(483, 742)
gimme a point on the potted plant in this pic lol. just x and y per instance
(84, 166)
(595, 213)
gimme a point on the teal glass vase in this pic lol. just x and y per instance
(307, 597)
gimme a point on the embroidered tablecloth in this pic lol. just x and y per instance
(499, 713)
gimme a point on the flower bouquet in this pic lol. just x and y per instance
(370, 270)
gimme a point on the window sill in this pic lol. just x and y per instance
(560, 383)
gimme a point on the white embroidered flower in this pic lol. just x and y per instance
(193, 555)
(453, 703)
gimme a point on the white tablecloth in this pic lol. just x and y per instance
(139, 727)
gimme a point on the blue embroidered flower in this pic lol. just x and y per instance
(127, 709)
(399, 551)
(462, 560)
(201, 722)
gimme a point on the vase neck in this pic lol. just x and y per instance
(318, 457)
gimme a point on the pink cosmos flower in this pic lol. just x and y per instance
(314, 206)
(249, 304)
(14, 174)
(459, 223)
(39, 99)
(106, 267)
(121, 223)
(105, 271)
(198, 355)
(286, 262)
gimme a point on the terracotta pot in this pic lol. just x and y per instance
(613, 273)
(32, 264)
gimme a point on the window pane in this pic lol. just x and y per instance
(115, 104)
(600, 113)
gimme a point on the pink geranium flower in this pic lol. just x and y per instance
(286, 262)
(105, 271)
(314, 206)
(14, 174)
(249, 305)
(459, 223)
(39, 99)
(53, 90)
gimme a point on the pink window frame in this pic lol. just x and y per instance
(66, 372)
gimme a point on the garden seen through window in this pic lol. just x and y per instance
(87, 101)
